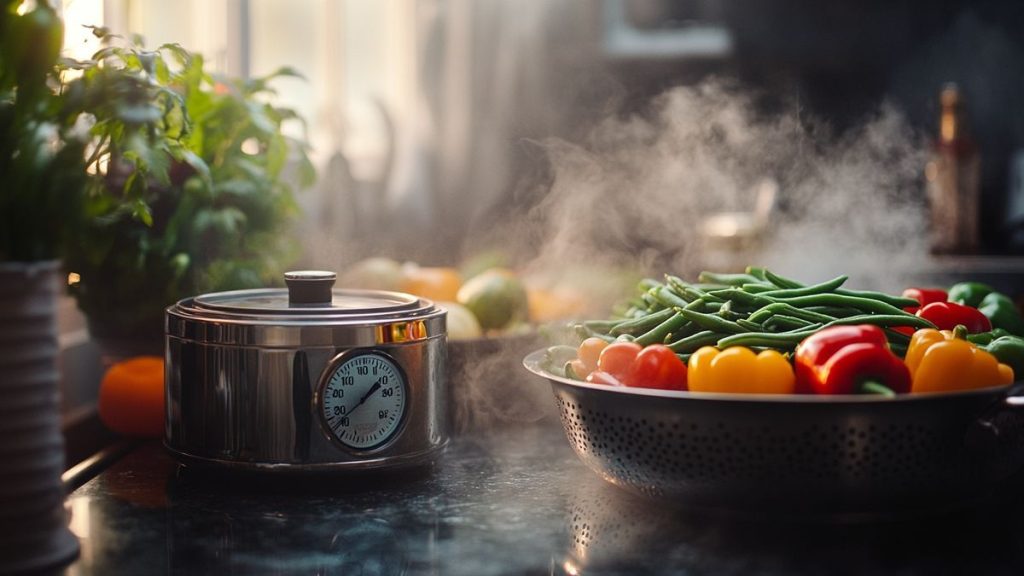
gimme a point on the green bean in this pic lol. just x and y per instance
(726, 311)
(603, 326)
(884, 320)
(711, 322)
(667, 298)
(711, 307)
(787, 322)
(648, 283)
(827, 286)
(642, 324)
(583, 333)
(895, 337)
(685, 330)
(650, 302)
(555, 357)
(862, 304)
(752, 326)
(897, 301)
(835, 311)
(814, 326)
(781, 281)
(727, 279)
(684, 357)
(684, 290)
(709, 287)
(763, 314)
(757, 288)
(738, 295)
(658, 333)
(771, 339)
(694, 342)
(756, 272)
(675, 280)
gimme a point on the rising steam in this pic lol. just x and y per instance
(638, 190)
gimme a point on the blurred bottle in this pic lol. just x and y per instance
(953, 180)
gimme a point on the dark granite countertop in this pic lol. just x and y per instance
(514, 502)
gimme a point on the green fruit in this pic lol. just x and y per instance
(496, 297)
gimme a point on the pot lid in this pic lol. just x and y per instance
(309, 292)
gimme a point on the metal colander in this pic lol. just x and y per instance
(795, 454)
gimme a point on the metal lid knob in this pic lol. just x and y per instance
(310, 286)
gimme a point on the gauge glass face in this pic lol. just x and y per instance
(363, 400)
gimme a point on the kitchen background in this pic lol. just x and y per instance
(611, 134)
(433, 119)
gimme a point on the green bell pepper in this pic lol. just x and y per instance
(1010, 351)
(985, 338)
(1002, 312)
(969, 293)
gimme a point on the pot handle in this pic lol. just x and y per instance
(310, 286)
(985, 434)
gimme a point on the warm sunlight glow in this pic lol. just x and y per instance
(74, 278)
(79, 42)
(251, 146)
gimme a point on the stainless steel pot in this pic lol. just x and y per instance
(306, 379)
(839, 456)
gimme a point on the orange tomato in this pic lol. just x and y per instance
(434, 283)
(131, 399)
(617, 358)
(589, 352)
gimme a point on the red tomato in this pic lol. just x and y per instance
(617, 358)
(657, 366)
(589, 352)
(598, 377)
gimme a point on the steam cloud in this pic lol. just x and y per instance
(638, 189)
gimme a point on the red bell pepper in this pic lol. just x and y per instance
(947, 315)
(849, 360)
(924, 296)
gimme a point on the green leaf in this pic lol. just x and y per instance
(142, 213)
(285, 71)
(238, 187)
(277, 155)
(180, 263)
(181, 55)
(142, 113)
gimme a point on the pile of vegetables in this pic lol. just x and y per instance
(759, 332)
(481, 303)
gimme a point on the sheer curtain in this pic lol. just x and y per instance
(491, 76)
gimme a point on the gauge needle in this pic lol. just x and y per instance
(374, 388)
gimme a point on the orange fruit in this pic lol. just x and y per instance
(434, 283)
(131, 400)
(553, 305)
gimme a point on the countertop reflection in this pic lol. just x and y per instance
(513, 502)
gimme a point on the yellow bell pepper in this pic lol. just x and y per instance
(940, 361)
(738, 369)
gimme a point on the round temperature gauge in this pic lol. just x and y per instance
(363, 399)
